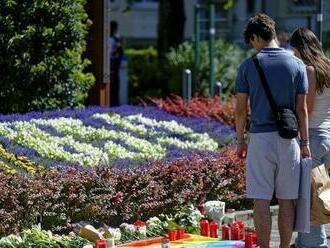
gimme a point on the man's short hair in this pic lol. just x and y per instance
(261, 25)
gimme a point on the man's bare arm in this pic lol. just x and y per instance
(240, 121)
(241, 115)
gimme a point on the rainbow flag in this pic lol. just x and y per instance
(189, 241)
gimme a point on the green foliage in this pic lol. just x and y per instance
(327, 53)
(41, 47)
(35, 237)
(143, 74)
(112, 196)
(227, 60)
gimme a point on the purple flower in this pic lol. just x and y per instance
(220, 132)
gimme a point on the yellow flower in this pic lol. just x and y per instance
(19, 162)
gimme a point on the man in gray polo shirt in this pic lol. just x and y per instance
(272, 162)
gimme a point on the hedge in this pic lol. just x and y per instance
(106, 195)
(41, 48)
(143, 73)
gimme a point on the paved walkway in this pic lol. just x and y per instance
(275, 240)
(247, 217)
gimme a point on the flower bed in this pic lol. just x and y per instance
(122, 136)
(109, 195)
(110, 165)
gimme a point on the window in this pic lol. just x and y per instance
(302, 6)
(303, 2)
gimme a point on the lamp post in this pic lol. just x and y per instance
(196, 45)
(211, 46)
(319, 19)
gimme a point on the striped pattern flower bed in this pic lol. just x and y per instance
(122, 137)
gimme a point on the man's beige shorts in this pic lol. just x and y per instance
(273, 164)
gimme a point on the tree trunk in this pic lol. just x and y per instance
(171, 25)
(171, 21)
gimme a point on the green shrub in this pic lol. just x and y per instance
(327, 53)
(143, 74)
(227, 60)
(41, 47)
(145, 77)
(111, 196)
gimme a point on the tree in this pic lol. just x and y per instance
(41, 54)
(171, 21)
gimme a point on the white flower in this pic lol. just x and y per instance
(154, 221)
(141, 230)
(129, 228)
(115, 233)
(153, 147)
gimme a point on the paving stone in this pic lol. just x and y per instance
(247, 217)
(275, 237)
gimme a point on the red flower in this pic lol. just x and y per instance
(139, 223)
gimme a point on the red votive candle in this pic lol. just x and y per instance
(241, 229)
(248, 231)
(249, 241)
(172, 234)
(180, 233)
(101, 243)
(225, 232)
(255, 238)
(204, 225)
(235, 233)
(214, 229)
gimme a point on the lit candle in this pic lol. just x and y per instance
(180, 233)
(214, 229)
(204, 225)
(225, 232)
(235, 232)
(248, 241)
(101, 243)
(241, 229)
(172, 234)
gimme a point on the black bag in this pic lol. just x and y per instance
(285, 117)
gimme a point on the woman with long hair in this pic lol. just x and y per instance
(307, 47)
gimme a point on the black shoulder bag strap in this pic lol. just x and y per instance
(265, 85)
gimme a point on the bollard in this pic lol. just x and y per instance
(186, 85)
(218, 89)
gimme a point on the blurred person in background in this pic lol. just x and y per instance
(283, 39)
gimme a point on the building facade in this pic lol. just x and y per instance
(138, 26)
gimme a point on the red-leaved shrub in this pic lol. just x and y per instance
(107, 195)
(199, 107)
